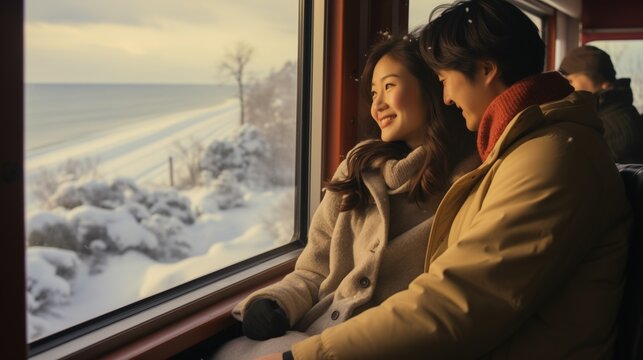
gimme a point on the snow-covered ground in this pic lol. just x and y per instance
(68, 286)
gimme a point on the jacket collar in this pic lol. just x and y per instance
(578, 107)
(397, 173)
(533, 90)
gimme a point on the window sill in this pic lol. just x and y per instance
(178, 324)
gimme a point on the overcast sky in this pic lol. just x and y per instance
(153, 41)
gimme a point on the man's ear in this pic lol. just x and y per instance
(490, 71)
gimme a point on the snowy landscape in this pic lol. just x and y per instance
(106, 229)
(159, 147)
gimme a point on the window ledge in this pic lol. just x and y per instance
(178, 324)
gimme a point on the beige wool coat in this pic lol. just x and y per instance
(353, 260)
(525, 260)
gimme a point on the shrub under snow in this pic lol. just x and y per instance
(169, 232)
(171, 204)
(245, 154)
(117, 229)
(49, 229)
(89, 192)
(48, 273)
(226, 191)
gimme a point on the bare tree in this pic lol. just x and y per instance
(234, 64)
(190, 156)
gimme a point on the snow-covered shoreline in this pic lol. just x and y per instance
(139, 151)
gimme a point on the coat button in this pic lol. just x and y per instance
(334, 315)
(364, 282)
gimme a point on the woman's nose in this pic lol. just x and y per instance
(379, 103)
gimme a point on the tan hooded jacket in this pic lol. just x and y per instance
(525, 259)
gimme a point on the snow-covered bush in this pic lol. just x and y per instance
(89, 192)
(256, 155)
(223, 155)
(118, 230)
(67, 196)
(251, 142)
(226, 191)
(49, 271)
(169, 232)
(129, 190)
(207, 204)
(171, 204)
(46, 181)
(271, 107)
(137, 210)
(246, 154)
(52, 230)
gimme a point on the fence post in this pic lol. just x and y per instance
(171, 172)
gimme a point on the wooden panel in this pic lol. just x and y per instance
(613, 14)
(614, 35)
(550, 51)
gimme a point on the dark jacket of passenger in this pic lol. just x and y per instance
(622, 123)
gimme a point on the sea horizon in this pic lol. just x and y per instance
(59, 112)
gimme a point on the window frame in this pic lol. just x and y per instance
(180, 317)
(11, 182)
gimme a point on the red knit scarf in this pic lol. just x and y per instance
(534, 90)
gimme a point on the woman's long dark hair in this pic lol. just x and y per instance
(446, 142)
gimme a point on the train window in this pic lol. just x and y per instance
(627, 56)
(420, 10)
(160, 146)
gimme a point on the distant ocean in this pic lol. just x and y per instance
(57, 113)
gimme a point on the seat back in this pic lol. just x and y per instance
(629, 341)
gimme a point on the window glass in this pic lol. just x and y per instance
(627, 57)
(420, 10)
(159, 146)
(536, 20)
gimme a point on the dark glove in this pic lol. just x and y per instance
(264, 319)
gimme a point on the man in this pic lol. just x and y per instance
(590, 69)
(527, 252)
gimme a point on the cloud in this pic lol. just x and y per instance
(139, 11)
(170, 42)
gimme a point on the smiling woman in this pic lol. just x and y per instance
(397, 103)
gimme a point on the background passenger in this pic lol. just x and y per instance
(590, 68)
(368, 237)
(527, 252)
